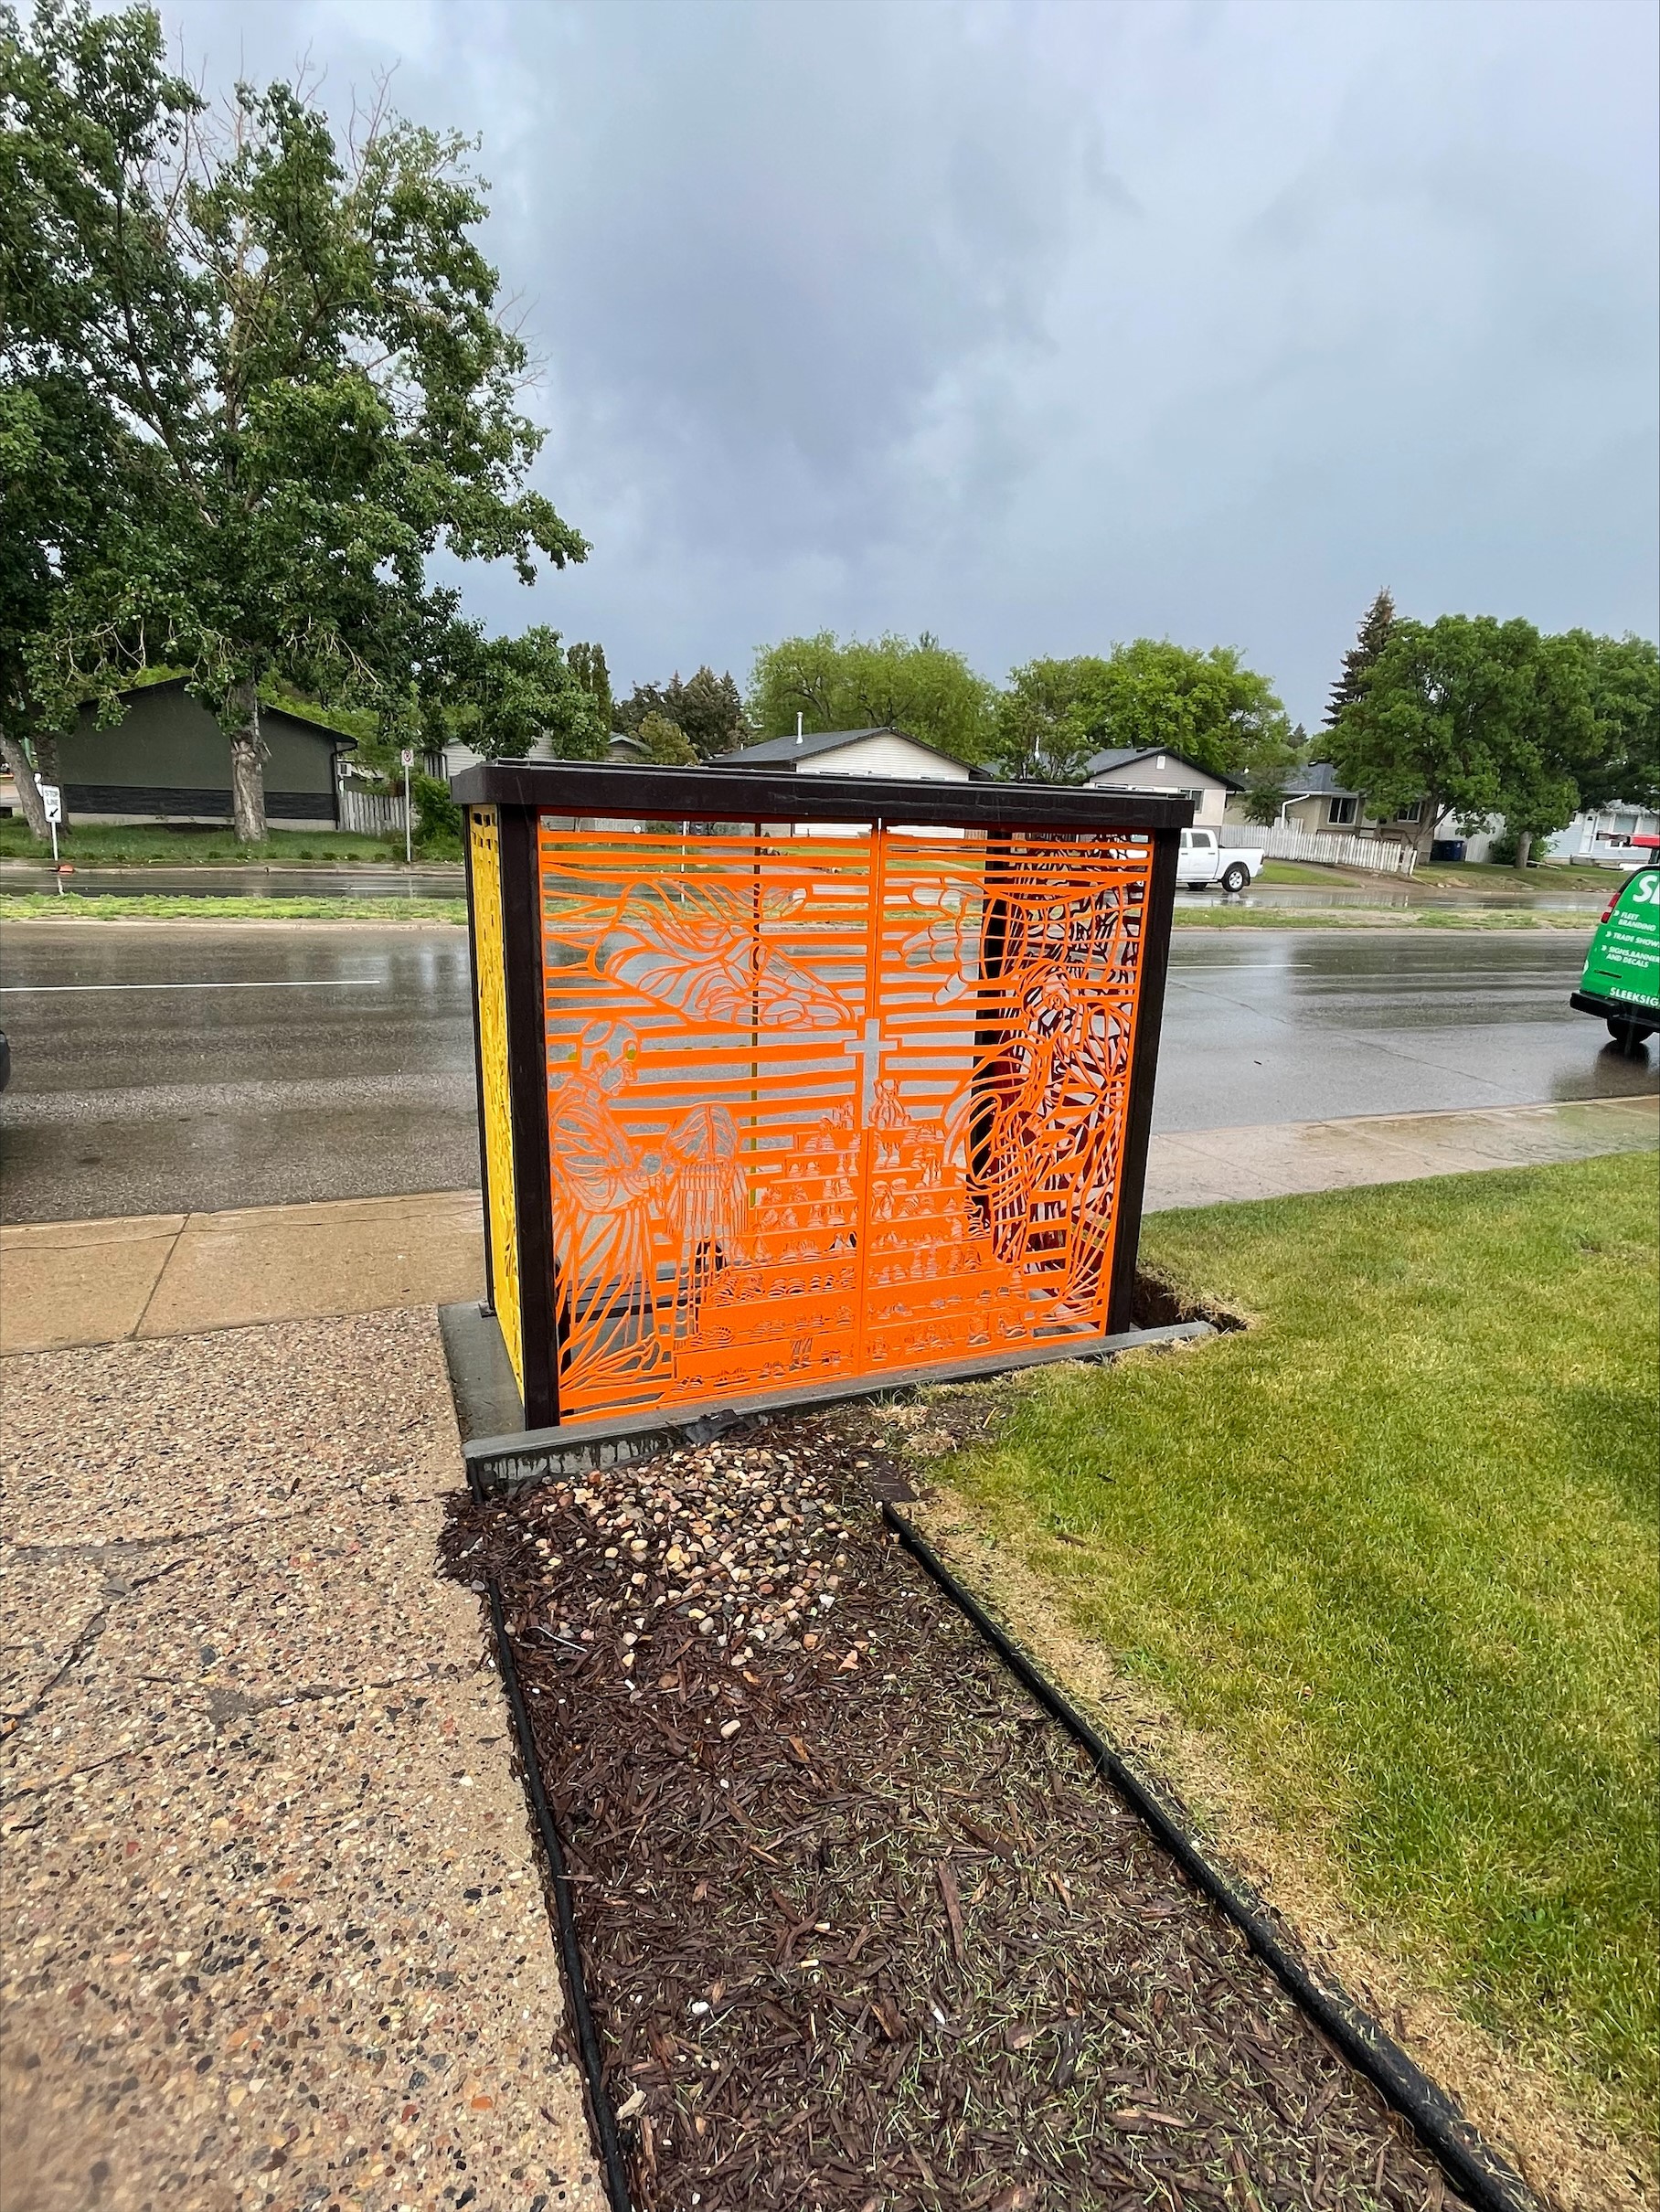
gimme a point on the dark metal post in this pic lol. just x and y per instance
(527, 1097)
(487, 1303)
(1157, 916)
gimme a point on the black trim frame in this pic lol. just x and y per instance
(527, 1100)
(1157, 919)
(737, 794)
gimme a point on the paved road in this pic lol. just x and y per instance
(176, 1067)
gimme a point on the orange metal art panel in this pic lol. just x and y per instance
(821, 1106)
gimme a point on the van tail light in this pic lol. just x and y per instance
(1608, 908)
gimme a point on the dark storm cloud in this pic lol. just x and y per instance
(1039, 326)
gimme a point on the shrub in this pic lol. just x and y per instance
(437, 819)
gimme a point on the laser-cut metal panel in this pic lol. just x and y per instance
(829, 1105)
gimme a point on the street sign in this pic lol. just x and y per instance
(408, 756)
(51, 798)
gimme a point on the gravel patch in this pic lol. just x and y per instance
(273, 1931)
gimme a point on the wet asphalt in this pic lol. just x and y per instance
(177, 1068)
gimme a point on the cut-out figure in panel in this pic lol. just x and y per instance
(703, 953)
(639, 1232)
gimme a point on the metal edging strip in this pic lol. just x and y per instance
(565, 1923)
(1470, 2163)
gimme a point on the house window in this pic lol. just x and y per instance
(1341, 810)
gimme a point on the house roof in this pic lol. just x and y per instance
(1127, 756)
(1318, 779)
(319, 720)
(771, 752)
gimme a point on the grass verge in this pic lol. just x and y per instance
(1393, 1548)
(1488, 876)
(110, 845)
(1223, 917)
(162, 905)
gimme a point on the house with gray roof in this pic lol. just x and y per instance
(880, 751)
(1154, 768)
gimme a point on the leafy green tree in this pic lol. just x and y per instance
(1208, 706)
(1622, 763)
(1041, 734)
(586, 663)
(61, 471)
(1373, 636)
(708, 709)
(500, 694)
(305, 342)
(1470, 716)
(1264, 801)
(922, 688)
(666, 743)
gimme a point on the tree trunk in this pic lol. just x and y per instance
(1523, 845)
(247, 768)
(28, 788)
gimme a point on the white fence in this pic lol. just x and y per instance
(1383, 857)
(370, 812)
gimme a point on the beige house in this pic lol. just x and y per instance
(1146, 768)
(853, 753)
(1317, 801)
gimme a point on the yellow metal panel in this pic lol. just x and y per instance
(484, 833)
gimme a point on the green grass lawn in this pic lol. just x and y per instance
(1484, 876)
(1219, 916)
(1395, 1544)
(1306, 872)
(167, 905)
(105, 845)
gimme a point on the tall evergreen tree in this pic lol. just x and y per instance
(708, 709)
(586, 663)
(1371, 638)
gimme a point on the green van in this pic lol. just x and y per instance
(1621, 984)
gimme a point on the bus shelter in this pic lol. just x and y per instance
(789, 1084)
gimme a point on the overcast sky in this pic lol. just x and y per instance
(1039, 326)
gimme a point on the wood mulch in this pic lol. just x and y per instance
(861, 1926)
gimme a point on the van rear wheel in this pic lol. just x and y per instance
(1629, 1036)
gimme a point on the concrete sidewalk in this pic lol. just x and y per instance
(274, 1933)
(1290, 1159)
(80, 1282)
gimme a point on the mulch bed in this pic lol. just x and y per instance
(860, 1925)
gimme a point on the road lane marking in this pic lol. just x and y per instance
(320, 983)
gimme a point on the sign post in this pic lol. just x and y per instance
(408, 757)
(51, 799)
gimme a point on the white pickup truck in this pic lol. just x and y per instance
(1204, 859)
